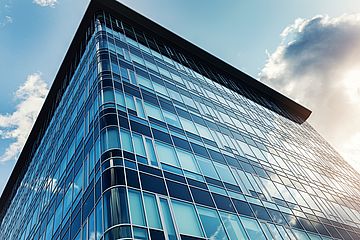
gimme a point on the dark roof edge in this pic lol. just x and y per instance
(117, 8)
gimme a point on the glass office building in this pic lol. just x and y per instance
(146, 136)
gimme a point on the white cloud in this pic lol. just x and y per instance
(6, 21)
(318, 64)
(46, 3)
(17, 125)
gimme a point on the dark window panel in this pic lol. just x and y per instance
(223, 202)
(202, 197)
(152, 184)
(178, 190)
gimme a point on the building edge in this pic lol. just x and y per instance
(59, 86)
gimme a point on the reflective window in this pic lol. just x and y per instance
(225, 173)
(167, 220)
(186, 219)
(187, 161)
(252, 228)
(126, 141)
(152, 211)
(115, 207)
(153, 111)
(151, 152)
(166, 154)
(211, 223)
(136, 208)
(207, 167)
(233, 226)
(139, 145)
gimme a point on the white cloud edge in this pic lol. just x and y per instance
(17, 125)
(46, 3)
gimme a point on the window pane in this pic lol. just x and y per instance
(211, 223)
(140, 234)
(207, 167)
(152, 211)
(130, 102)
(119, 97)
(168, 223)
(113, 138)
(300, 235)
(126, 141)
(139, 145)
(252, 228)
(166, 154)
(186, 219)
(233, 226)
(187, 161)
(108, 95)
(225, 173)
(136, 208)
(172, 119)
(153, 111)
(151, 152)
(115, 207)
(140, 109)
(144, 81)
(188, 125)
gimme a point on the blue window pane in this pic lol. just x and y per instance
(108, 95)
(140, 234)
(126, 141)
(113, 138)
(187, 161)
(139, 145)
(130, 103)
(119, 97)
(152, 211)
(233, 226)
(151, 152)
(207, 167)
(98, 221)
(167, 220)
(252, 228)
(211, 223)
(225, 173)
(300, 235)
(140, 108)
(186, 219)
(115, 207)
(153, 111)
(136, 208)
(166, 154)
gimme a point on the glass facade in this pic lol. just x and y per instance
(147, 143)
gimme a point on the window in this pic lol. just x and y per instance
(233, 226)
(108, 95)
(140, 109)
(225, 173)
(136, 208)
(153, 111)
(167, 219)
(171, 118)
(130, 103)
(139, 145)
(119, 98)
(151, 152)
(144, 81)
(126, 141)
(188, 125)
(166, 154)
(207, 167)
(115, 207)
(252, 228)
(211, 223)
(186, 219)
(109, 138)
(152, 211)
(187, 161)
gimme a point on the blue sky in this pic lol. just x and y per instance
(35, 35)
